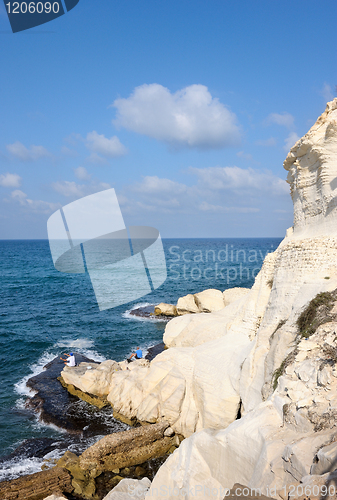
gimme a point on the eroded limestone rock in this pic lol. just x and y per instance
(209, 300)
(187, 305)
(163, 309)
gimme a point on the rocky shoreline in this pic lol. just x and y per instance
(141, 452)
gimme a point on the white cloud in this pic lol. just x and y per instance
(33, 205)
(326, 92)
(19, 195)
(101, 145)
(10, 180)
(240, 180)
(283, 119)
(19, 151)
(290, 141)
(82, 173)
(73, 190)
(190, 117)
(67, 188)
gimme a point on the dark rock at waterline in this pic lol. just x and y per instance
(154, 351)
(148, 312)
(57, 406)
(34, 447)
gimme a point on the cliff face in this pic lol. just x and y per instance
(312, 167)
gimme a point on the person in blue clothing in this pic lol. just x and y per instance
(137, 355)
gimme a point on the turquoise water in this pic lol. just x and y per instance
(44, 312)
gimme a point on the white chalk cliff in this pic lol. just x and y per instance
(222, 362)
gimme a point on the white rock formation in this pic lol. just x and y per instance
(312, 167)
(55, 497)
(128, 489)
(187, 305)
(232, 294)
(282, 440)
(209, 300)
(96, 378)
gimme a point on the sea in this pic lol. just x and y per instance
(44, 313)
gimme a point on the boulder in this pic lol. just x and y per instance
(37, 486)
(125, 449)
(163, 309)
(233, 294)
(129, 489)
(187, 305)
(209, 300)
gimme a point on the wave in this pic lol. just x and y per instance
(36, 368)
(16, 467)
(78, 343)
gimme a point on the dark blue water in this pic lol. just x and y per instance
(44, 312)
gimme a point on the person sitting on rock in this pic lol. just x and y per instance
(137, 355)
(70, 361)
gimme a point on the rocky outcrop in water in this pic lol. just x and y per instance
(207, 301)
(56, 405)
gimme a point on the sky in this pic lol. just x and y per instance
(186, 108)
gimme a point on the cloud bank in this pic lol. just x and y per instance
(214, 190)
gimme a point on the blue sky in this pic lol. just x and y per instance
(186, 108)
